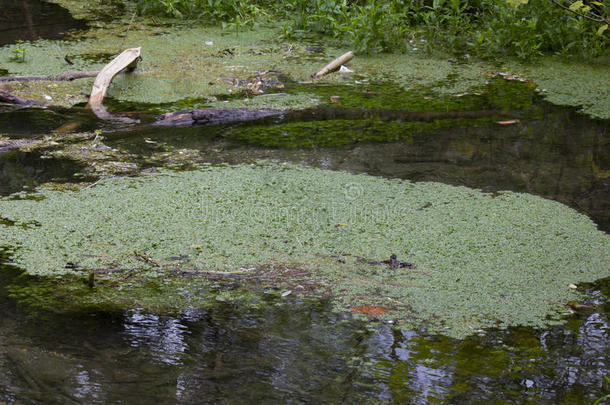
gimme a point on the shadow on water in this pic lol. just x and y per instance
(28, 20)
(24, 171)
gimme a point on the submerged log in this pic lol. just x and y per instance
(65, 76)
(215, 116)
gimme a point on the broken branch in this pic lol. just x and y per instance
(65, 76)
(334, 65)
(126, 60)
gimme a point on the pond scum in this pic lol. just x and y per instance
(465, 260)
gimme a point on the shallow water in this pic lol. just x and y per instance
(300, 351)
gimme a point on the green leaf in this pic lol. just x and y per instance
(516, 3)
(601, 29)
(576, 5)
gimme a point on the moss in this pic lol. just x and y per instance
(481, 260)
(336, 132)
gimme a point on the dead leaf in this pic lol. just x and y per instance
(368, 310)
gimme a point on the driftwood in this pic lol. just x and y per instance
(334, 65)
(126, 60)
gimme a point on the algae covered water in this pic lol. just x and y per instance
(352, 272)
(298, 348)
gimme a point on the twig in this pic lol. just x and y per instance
(128, 28)
(382, 283)
(598, 19)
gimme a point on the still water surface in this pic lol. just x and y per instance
(300, 351)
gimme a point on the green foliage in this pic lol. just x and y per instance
(18, 54)
(238, 13)
(602, 399)
(538, 28)
(486, 28)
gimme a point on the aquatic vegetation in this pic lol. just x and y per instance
(475, 260)
(177, 67)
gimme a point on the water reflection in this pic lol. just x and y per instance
(164, 337)
(292, 353)
(24, 171)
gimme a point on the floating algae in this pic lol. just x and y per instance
(480, 260)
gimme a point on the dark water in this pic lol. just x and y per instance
(26, 20)
(299, 352)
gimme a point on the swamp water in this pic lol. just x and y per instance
(298, 349)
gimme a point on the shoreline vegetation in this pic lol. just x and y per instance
(213, 50)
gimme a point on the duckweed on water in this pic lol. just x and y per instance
(481, 260)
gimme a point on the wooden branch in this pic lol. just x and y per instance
(334, 65)
(7, 97)
(127, 59)
(65, 76)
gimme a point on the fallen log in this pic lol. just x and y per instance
(7, 97)
(65, 76)
(214, 116)
(334, 65)
(126, 60)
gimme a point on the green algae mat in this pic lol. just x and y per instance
(449, 259)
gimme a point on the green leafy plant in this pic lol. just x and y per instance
(18, 54)
(237, 13)
(486, 28)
